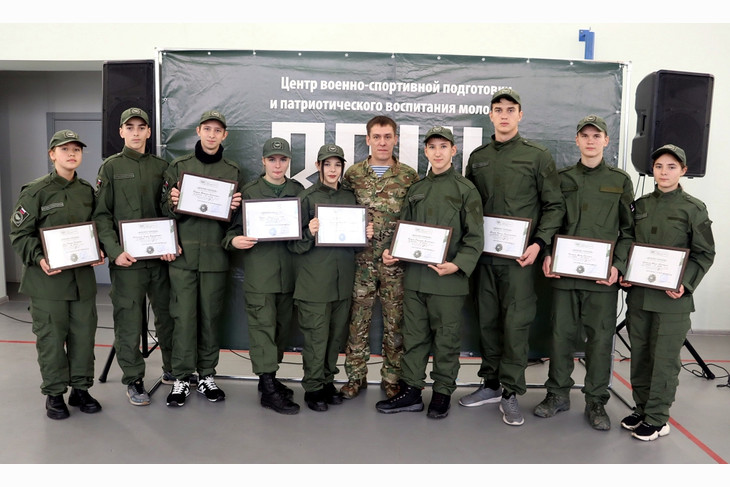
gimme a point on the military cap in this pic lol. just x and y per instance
(442, 132)
(213, 115)
(508, 93)
(330, 150)
(677, 152)
(594, 120)
(64, 137)
(131, 113)
(277, 146)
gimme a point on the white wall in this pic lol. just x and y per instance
(702, 48)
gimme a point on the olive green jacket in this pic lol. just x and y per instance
(673, 219)
(200, 238)
(323, 274)
(598, 204)
(128, 187)
(51, 201)
(267, 266)
(518, 178)
(450, 200)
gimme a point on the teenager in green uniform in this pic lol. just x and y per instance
(62, 302)
(323, 283)
(128, 188)
(598, 200)
(658, 320)
(515, 177)
(198, 275)
(380, 183)
(268, 279)
(435, 294)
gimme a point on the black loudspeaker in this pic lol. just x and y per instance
(673, 107)
(126, 84)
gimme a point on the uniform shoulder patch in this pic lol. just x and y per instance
(20, 216)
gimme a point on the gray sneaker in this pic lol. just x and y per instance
(597, 417)
(552, 405)
(511, 411)
(136, 393)
(483, 395)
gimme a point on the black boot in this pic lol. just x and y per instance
(439, 406)
(56, 407)
(316, 400)
(284, 390)
(407, 399)
(274, 399)
(331, 394)
(83, 400)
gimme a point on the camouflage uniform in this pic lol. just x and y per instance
(383, 196)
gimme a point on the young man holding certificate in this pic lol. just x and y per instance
(435, 293)
(658, 319)
(128, 188)
(62, 302)
(515, 178)
(598, 200)
(269, 276)
(198, 275)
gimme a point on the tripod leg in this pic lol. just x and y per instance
(109, 361)
(708, 375)
(618, 329)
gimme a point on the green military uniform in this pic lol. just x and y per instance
(384, 197)
(515, 178)
(62, 306)
(433, 303)
(658, 324)
(322, 290)
(128, 188)
(198, 275)
(268, 283)
(598, 205)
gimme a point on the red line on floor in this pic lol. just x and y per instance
(681, 428)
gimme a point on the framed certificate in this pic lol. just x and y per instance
(341, 225)
(205, 197)
(506, 236)
(656, 266)
(149, 238)
(584, 258)
(272, 219)
(68, 246)
(420, 243)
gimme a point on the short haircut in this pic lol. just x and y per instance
(382, 120)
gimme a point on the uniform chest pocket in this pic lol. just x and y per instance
(126, 192)
(520, 179)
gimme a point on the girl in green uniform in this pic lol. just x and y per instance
(62, 302)
(324, 278)
(658, 320)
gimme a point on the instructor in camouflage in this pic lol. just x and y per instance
(380, 183)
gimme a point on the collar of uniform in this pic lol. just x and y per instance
(131, 153)
(447, 172)
(500, 145)
(326, 189)
(584, 168)
(394, 168)
(671, 194)
(57, 179)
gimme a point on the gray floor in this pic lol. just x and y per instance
(238, 430)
